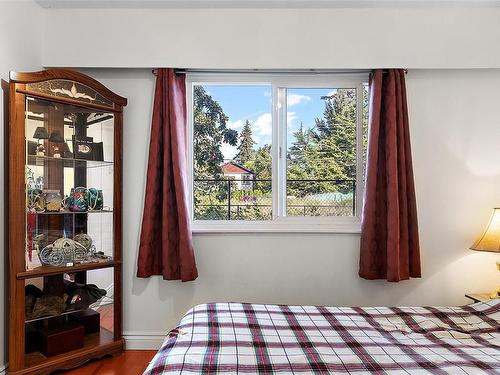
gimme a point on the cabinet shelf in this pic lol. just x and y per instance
(51, 270)
(75, 213)
(65, 313)
(37, 319)
(36, 160)
(69, 312)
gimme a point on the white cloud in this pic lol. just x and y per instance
(291, 119)
(263, 124)
(238, 124)
(261, 132)
(228, 151)
(331, 93)
(267, 93)
(294, 99)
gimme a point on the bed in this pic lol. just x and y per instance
(232, 338)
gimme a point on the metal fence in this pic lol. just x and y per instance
(235, 199)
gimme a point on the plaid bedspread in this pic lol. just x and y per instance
(232, 338)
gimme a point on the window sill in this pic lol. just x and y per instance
(352, 226)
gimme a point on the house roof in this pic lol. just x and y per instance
(233, 167)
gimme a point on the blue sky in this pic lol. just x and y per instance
(253, 103)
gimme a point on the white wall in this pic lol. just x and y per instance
(455, 125)
(274, 38)
(20, 50)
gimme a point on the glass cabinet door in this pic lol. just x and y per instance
(69, 184)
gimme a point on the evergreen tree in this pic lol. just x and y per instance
(245, 148)
(335, 136)
(261, 165)
(298, 149)
(300, 160)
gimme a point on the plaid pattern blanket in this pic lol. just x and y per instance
(232, 338)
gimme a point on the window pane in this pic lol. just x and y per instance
(232, 134)
(321, 152)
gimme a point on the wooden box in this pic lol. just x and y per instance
(61, 340)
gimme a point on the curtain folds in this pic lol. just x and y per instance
(166, 246)
(389, 247)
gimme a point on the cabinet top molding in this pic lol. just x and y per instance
(67, 74)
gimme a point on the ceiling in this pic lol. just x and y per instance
(152, 4)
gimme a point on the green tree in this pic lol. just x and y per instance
(210, 132)
(245, 148)
(261, 165)
(298, 150)
(327, 152)
(335, 136)
(301, 157)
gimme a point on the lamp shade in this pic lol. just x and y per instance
(56, 137)
(41, 133)
(490, 239)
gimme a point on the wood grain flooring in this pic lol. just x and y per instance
(131, 362)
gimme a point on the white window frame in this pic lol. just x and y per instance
(279, 83)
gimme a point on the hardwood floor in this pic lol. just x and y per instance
(131, 362)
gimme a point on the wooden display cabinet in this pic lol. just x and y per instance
(64, 214)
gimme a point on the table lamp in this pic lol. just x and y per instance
(40, 133)
(56, 138)
(490, 241)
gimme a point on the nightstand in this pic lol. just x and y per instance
(478, 297)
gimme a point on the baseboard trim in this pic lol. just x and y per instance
(144, 340)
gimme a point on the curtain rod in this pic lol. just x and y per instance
(274, 71)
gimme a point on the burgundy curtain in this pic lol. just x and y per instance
(166, 246)
(389, 229)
